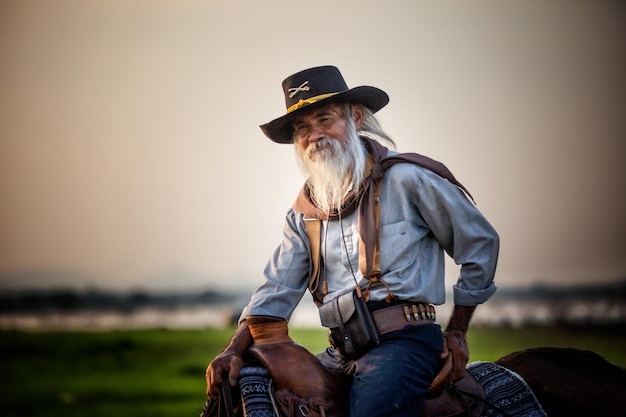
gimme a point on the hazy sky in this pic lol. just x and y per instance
(130, 151)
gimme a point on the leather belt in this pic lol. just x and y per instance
(394, 318)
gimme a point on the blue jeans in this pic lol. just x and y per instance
(393, 378)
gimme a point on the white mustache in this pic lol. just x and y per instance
(321, 145)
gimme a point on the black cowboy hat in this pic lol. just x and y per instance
(315, 87)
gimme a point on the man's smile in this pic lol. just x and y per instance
(323, 145)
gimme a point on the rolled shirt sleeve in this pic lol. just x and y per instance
(423, 216)
(464, 233)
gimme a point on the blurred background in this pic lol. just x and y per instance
(140, 202)
(131, 160)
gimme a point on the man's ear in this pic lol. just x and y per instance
(357, 115)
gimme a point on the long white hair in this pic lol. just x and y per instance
(371, 128)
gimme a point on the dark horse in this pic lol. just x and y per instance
(565, 382)
(571, 382)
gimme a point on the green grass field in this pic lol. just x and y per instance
(160, 373)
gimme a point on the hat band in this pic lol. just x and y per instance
(307, 101)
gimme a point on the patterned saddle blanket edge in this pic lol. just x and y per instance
(505, 391)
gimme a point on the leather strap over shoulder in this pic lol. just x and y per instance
(314, 232)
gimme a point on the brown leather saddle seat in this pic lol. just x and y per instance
(463, 398)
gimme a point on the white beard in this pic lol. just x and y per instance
(334, 168)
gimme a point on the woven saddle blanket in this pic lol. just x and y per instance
(506, 392)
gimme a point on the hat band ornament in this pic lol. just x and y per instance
(308, 101)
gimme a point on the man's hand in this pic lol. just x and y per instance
(455, 345)
(224, 363)
(228, 362)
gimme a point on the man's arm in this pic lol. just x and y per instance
(455, 343)
(229, 361)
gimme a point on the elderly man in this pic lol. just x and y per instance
(370, 226)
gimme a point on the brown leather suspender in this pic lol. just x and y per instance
(314, 232)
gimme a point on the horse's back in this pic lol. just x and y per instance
(570, 382)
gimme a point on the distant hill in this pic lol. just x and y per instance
(69, 299)
(612, 291)
(65, 299)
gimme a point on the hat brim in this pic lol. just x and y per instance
(280, 130)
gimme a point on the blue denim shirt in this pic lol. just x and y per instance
(423, 216)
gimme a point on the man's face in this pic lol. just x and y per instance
(326, 122)
(330, 152)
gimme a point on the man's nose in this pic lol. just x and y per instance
(316, 134)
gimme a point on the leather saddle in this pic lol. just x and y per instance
(300, 380)
(463, 398)
(288, 362)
